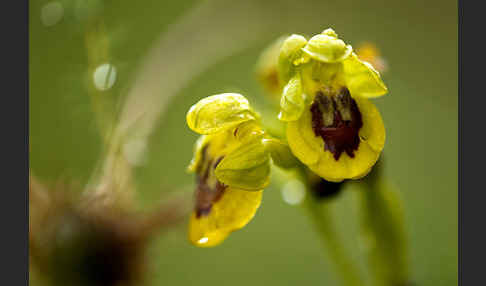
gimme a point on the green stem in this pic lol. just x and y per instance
(322, 220)
(383, 225)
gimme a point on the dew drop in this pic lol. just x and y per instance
(104, 77)
(203, 240)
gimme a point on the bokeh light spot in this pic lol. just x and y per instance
(104, 77)
(293, 192)
(52, 13)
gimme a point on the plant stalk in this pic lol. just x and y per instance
(383, 226)
(322, 221)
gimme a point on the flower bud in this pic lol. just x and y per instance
(267, 69)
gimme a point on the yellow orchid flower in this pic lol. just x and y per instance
(232, 167)
(332, 127)
(370, 53)
(267, 71)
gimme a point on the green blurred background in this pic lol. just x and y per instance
(192, 49)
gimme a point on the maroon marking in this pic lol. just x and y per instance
(342, 135)
(205, 195)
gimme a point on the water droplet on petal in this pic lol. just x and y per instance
(293, 192)
(203, 240)
(104, 77)
(51, 13)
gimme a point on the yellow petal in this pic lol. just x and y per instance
(217, 145)
(292, 102)
(219, 112)
(198, 148)
(373, 130)
(326, 48)
(302, 140)
(290, 56)
(233, 211)
(247, 167)
(309, 148)
(362, 79)
(346, 167)
(221, 143)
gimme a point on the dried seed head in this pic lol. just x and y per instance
(88, 248)
(86, 244)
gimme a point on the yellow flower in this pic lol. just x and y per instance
(232, 167)
(267, 70)
(369, 52)
(332, 127)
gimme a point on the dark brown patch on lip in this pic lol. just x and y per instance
(207, 195)
(337, 120)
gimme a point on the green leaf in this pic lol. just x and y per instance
(326, 48)
(219, 112)
(292, 102)
(247, 167)
(362, 79)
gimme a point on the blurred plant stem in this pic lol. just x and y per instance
(383, 227)
(322, 220)
(115, 183)
(97, 51)
(323, 223)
